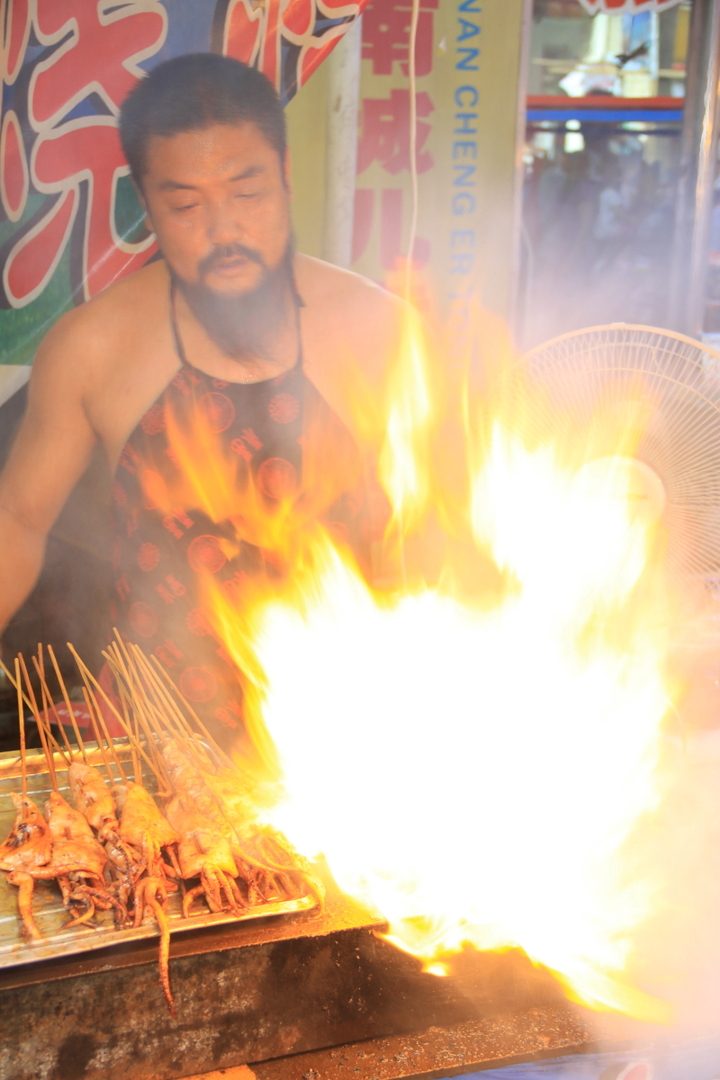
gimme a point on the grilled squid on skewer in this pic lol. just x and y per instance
(93, 799)
(258, 845)
(151, 899)
(203, 852)
(266, 867)
(65, 823)
(210, 843)
(134, 844)
(143, 827)
(29, 843)
(71, 831)
(95, 802)
(30, 854)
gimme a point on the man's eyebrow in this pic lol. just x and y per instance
(247, 174)
(174, 185)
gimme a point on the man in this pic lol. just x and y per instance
(230, 335)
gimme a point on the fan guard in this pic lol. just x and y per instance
(676, 382)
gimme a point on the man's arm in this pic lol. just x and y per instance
(50, 453)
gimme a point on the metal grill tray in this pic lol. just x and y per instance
(50, 915)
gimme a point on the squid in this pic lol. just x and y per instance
(30, 854)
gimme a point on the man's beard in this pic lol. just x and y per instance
(243, 326)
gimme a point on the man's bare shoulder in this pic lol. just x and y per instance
(104, 329)
(342, 294)
(351, 335)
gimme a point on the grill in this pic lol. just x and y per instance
(290, 991)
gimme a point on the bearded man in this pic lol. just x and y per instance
(230, 345)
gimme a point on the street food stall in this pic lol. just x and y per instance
(469, 821)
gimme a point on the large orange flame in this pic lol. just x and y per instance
(470, 748)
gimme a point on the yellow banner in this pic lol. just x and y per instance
(468, 65)
(471, 114)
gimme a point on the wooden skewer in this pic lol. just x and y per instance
(110, 705)
(137, 736)
(99, 741)
(137, 769)
(152, 717)
(146, 680)
(137, 764)
(147, 715)
(122, 674)
(99, 716)
(118, 675)
(127, 657)
(39, 662)
(26, 699)
(21, 718)
(49, 752)
(14, 684)
(48, 701)
(38, 719)
(68, 705)
(181, 728)
(110, 742)
(129, 668)
(53, 744)
(192, 712)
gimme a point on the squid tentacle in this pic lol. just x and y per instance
(25, 884)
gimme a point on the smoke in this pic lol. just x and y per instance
(677, 951)
(597, 232)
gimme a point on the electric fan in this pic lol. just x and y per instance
(666, 389)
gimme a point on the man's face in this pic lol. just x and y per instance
(219, 203)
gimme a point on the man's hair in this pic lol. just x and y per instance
(191, 92)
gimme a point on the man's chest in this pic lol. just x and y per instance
(131, 385)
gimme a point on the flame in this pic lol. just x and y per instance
(404, 466)
(472, 749)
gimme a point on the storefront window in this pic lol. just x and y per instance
(604, 120)
(639, 55)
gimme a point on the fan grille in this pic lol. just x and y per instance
(678, 382)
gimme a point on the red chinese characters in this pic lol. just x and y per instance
(390, 204)
(385, 138)
(58, 136)
(385, 129)
(385, 132)
(386, 36)
(100, 46)
(14, 178)
(287, 41)
(283, 408)
(72, 100)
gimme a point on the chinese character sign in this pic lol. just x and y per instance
(286, 40)
(467, 67)
(627, 7)
(386, 36)
(70, 223)
(67, 69)
(385, 129)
